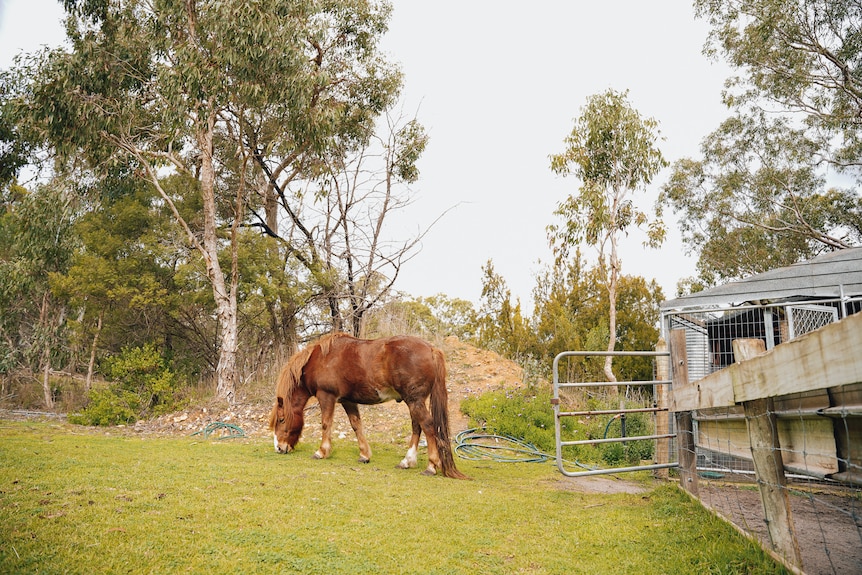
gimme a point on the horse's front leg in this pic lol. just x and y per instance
(352, 411)
(327, 411)
(410, 459)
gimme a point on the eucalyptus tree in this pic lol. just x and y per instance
(183, 85)
(35, 242)
(763, 193)
(612, 151)
(312, 170)
(757, 199)
(801, 57)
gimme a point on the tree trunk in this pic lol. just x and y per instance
(613, 278)
(46, 354)
(225, 301)
(46, 384)
(92, 363)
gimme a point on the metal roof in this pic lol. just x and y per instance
(828, 276)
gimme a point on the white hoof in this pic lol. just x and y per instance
(409, 460)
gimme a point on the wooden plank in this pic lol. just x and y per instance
(808, 445)
(827, 357)
(766, 453)
(684, 425)
(728, 436)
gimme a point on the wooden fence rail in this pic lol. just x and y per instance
(823, 367)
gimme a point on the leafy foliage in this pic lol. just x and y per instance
(35, 241)
(500, 324)
(612, 151)
(142, 385)
(758, 200)
(524, 414)
(759, 197)
(801, 57)
(110, 406)
(528, 415)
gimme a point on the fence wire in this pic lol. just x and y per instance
(819, 432)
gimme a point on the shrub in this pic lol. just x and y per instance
(523, 414)
(529, 416)
(109, 406)
(143, 372)
(632, 452)
(143, 385)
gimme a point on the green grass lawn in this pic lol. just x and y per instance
(74, 500)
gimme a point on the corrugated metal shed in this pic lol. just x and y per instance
(828, 276)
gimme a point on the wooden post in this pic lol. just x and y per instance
(662, 423)
(768, 464)
(684, 425)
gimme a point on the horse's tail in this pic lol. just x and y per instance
(440, 416)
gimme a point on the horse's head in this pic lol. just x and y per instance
(286, 425)
(286, 419)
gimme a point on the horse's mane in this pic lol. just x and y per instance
(291, 374)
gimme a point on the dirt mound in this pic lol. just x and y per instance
(471, 372)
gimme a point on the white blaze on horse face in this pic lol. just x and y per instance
(388, 394)
(279, 448)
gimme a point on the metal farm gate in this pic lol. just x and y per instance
(659, 408)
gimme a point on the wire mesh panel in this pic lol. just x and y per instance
(824, 498)
(802, 319)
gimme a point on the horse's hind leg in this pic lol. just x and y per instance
(352, 411)
(410, 459)
(420, 415)
(327, 411)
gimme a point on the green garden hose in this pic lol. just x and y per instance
(477, 445)
(233, 431)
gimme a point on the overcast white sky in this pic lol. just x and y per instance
(498, 84)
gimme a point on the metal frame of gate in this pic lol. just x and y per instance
(622, 411)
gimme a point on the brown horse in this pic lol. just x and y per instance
(338, 368)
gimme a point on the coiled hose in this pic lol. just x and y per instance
(478, 445)
(232, 431)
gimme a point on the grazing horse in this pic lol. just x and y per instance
(338, 368)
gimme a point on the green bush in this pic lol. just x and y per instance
(523, 414)
(109, 406)
(143, 371)
(143, 385)
(528, 415)
(629, 453)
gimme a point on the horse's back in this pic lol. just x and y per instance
(375, 370)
